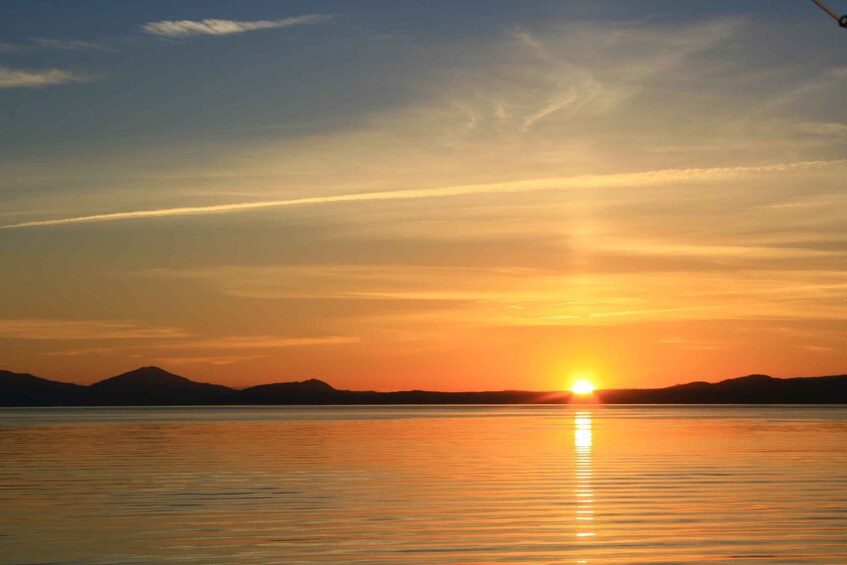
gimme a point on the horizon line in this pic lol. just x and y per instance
(563, 391)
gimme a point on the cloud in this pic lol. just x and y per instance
(185, 28)
(692, 345)
(21, 78)
(83, 330)
(211, 360)
(579, 182)
(59, 44)
(816, 348)
(226, 348)
(82, 351)
(69, 44)
(427, 296)
(265, 342)
(824, 129)
(371, 282)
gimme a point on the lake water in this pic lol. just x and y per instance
(528, 484)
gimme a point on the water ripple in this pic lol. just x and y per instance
(453, 484)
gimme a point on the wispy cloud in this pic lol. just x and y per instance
(42, 43)
(511, 296)
(210, 360)
(265, 342)
(824, 129)
(225, 349)
(69, 44)
(616, 180)
(83, 330)
(82, 351)
(23, 78)
(185, 28)
(693, 345)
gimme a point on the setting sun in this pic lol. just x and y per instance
(582, 387)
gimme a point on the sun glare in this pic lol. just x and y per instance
(582, 387)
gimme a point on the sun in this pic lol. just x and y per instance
(582, 387)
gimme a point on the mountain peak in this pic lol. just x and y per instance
(144, 376)
(150, 385)
(318, 384)
(149, 370)
(749, 379)
(309, 386)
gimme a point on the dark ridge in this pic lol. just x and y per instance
(23, 389)
(310, 385)
(154, 386)
(752, 389)
(311, 391)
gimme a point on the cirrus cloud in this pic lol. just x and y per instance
(185, 28)
(83, 330)
(23, 78)
(69, 44)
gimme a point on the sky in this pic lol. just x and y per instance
(437, 195)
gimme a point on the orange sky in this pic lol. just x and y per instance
(546, 196)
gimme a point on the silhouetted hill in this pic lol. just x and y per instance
(752, 389)
(155, 386)
(311, 391)
(152, 385)
(23, 389)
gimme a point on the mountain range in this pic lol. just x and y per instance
(152, 386)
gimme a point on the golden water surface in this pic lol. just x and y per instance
(457, 484)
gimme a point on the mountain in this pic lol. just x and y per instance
(155, 386)
(152, 385)
(311, 391)
(752, 389)
(23, 389)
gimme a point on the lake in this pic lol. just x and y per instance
(448, 484)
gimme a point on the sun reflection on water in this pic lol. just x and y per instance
(584, 490)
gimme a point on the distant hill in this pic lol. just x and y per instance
(311, 391)
(152, 386)
(752, 389)
(23, 389)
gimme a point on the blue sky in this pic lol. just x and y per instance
(368, 57)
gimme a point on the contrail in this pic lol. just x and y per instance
(614, 180)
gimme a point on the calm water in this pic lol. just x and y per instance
(539, 484)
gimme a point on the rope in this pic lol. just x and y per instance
(842, 20)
